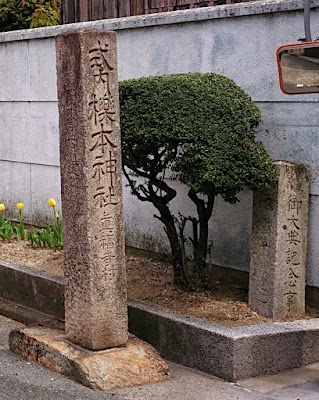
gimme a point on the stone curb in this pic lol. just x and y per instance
(34, 289)
(231, 353)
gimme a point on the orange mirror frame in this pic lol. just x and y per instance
(298, 66)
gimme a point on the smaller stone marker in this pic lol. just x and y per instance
(279, 245)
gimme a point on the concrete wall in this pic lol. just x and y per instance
(238, 41)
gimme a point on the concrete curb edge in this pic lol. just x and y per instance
(231, 353)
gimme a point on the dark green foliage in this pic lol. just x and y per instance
(6, 229)
(19, 231)
(24, 14)
(209, 118)
(50, 236)
(13, 16)
(202, 128)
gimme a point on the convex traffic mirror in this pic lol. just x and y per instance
(298, 66)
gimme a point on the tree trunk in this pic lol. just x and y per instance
(177, 252)
(204, 211)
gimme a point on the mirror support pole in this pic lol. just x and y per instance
(307, 20)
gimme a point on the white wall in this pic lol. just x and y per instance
(238, 41)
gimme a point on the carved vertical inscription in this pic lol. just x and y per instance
(90, 152)
(104, 149)
(279, 245)
(294, 231)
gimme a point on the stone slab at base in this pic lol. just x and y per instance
(137, 363)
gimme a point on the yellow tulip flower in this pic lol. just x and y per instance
(20, 206)
(2, 207)
(52, 202)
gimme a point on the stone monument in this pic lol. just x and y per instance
(91, 185)
(95, 348)
(279, 245)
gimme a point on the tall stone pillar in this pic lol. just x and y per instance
(279, 245)
(95, 294)
(90, 153)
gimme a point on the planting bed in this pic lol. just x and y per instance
(230, 352)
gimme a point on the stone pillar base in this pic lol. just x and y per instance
(137, 363)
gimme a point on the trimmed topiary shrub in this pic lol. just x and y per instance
(199, 129)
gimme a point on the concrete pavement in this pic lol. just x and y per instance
(22, 380)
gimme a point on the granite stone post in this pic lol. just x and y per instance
(94, 256)
(279, 245)
(90, 152)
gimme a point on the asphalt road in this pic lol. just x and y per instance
(22, 380)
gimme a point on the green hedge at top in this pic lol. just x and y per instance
(25, 14)
(14, 16)
(201, 126)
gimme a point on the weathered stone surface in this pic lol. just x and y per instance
(90, 151)
(137, 363)
(279, 245)
(231, 353)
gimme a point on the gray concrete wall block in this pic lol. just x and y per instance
(15, 124)
(313, 249)
(15, 187)
(248, 42)
(14, 71)
(42, 65)
(45, 184)
(32, 126)
(296, 144)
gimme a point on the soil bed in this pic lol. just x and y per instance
(151, 281)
